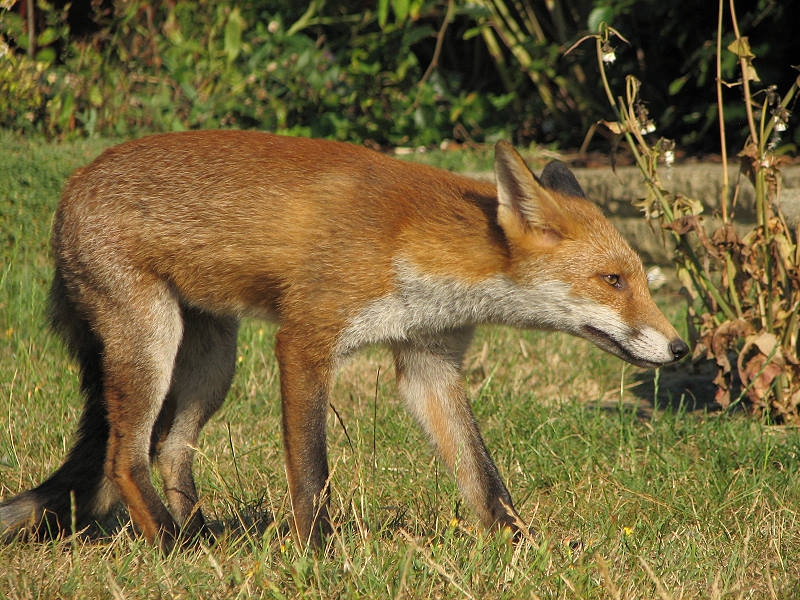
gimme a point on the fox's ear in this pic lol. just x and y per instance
(524, 205)
(557, 176)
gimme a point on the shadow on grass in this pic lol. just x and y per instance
(250, 520)
(685, 386)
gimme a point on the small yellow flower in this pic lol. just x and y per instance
(628, 531)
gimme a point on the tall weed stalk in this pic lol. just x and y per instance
(742, 281)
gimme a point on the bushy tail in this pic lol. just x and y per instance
(77, 493)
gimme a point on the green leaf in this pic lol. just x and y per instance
(677, 85)
(47, 37)
(67, 108)
(414, 8)
(472, 32)
(13, 26)
(46, 55)
(383, 12)
(501, 102)
(95, 96)
(233, 34)
(400, 10)
(601, 14)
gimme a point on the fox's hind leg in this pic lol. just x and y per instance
(203, 372)
(140, 326)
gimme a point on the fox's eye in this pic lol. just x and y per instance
(613, 280)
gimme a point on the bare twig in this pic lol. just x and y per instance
(744, 67)
(723, 200)
(437, 50)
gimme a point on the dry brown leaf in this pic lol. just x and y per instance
(760, 362)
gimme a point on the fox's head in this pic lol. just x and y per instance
(586, 279)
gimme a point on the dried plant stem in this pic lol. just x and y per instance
(723, 144)
(744, 68)
(599, 52)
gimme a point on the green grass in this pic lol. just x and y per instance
(629, 501)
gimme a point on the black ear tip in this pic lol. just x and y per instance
(557, 176)
(555, 166)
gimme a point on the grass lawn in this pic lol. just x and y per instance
(629, 500)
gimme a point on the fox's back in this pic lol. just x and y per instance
(235, 220)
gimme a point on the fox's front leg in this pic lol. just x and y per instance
(430, 378)
(305, 376)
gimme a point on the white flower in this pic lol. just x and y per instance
(607, 53)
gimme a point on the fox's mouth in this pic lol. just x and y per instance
(609, 344)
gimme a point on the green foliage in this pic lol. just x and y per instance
(189, 65)
(22, 90)
(392, 72)
(671, 49)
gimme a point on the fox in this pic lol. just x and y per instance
(163, 244)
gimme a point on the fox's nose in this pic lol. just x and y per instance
(678, 348)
